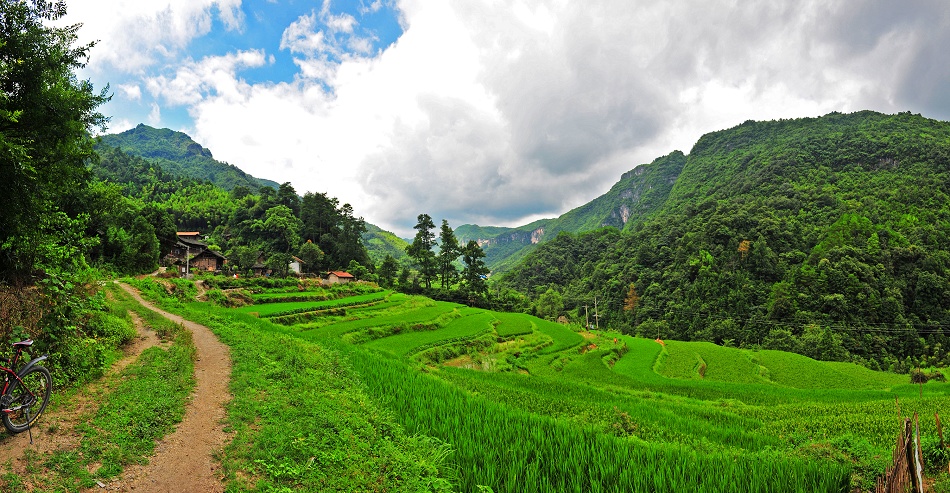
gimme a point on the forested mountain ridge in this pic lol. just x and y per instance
(826, 236)
(201, 204)
(637, 194)
(180, 155)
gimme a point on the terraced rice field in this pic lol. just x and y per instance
(563, 410)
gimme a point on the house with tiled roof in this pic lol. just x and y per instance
(339, 276)
(191, 254)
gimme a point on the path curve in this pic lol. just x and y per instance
(64, 419)
(183, 461)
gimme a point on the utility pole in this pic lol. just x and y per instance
(586, 319)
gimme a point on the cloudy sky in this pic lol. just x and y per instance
(495, 112)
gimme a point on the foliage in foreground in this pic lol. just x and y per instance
(302, 418)
(139, 405)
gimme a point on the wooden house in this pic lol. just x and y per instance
(190, 254)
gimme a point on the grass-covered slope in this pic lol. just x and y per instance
(179, 155)
(379, 243)
(825, 236)
(639, 193)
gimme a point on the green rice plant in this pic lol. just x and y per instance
(799, 371)
(590, 426)
(513, 450)
(295, 307)
(562, 337)
(471, 324)
(709, 361)
(514, 324)
(302, 420)
(426, 318)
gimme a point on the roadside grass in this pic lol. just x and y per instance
(139, 405)
(302, 419)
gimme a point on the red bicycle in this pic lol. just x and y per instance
(25, 392)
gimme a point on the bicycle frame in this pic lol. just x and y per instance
(10, 372)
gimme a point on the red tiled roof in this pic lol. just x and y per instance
(340, 273)
(188, 233)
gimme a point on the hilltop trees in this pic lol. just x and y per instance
(333, 228)
(473, 275)
(421, 249)
(448, 252)
(469, 286)
(823, 235)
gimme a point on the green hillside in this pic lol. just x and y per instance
(629, 202)
(199, 199)
(829, 237)
(179, 155)
(380, 243)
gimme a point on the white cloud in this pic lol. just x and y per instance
(133, 35)
(155, 116)
(131, 92)
(496, 112)
(212, 76)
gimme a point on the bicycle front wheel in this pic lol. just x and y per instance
(28, 398)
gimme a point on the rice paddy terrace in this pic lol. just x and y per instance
(526, 404)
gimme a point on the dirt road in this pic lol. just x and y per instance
(183, 461)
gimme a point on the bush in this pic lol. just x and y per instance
(110, 329)
(81, 360)
(936, 457)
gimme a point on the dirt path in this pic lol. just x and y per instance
(183, 461)
(56, 428)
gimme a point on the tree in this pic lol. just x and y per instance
(359, 271)
(404, 282)
(164, 225)
(46, 118)
(632, 300)
(244, 257)
(349, 238)
(279, 263)
(473, 275)
(311, 255)
(448, 251)
(421, 249)
(549, 304)
(387, 271)
(281, 227)
(286, 195)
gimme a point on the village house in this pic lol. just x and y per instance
(296, 265)
(338, 277)
(190, 254)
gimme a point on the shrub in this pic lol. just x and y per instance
(110, 329)
(936, 456)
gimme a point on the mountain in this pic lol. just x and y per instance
(380, 243)
(167, 167)
(629, 202)
(830, 235)
(179, 155)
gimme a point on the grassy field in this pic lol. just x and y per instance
(557, 410)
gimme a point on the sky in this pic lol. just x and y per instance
(494, 112)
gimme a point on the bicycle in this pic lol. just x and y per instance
(25, 392)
